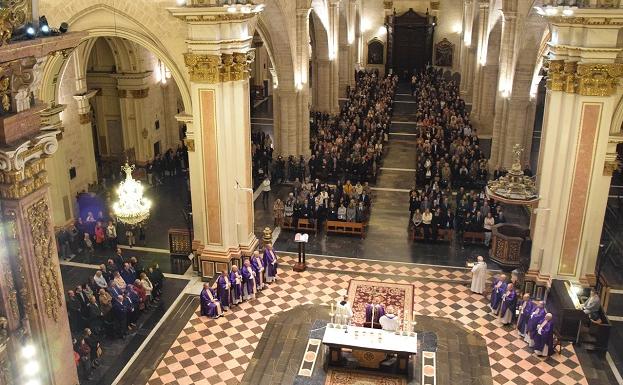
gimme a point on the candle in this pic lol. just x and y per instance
(331, 307)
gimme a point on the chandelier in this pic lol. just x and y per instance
(514, 187)
(131, 208)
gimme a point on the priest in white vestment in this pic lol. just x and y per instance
(479, 276)
(390, 321)
(343, 312)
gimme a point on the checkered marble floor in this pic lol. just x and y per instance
(217, 352)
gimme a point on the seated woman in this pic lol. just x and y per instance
(417, 219)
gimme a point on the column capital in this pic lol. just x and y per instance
(207, 68)
(334, 3)
(587, 79)
(303, 11)
(483, 4)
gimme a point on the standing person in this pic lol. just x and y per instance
(223, 290)
(257, 263)
(210, 307)
(487, 224)
(544, 337)
(235, 278)
(390, 321)
(111, 235)
(270, 262)
(265, 191)
(536, 317)
(249, 286)
(141, 235)
(100, 235)
(479, 276)
(129, 233)
(343, 311)
(525, 309)
(278, 212)
(509, 302)
(374, 311)
(498, 289)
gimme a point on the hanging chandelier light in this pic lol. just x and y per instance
(131, 208)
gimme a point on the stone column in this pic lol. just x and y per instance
(468, 23)
(31, 289)
(133, 90)
(578, 146)
(334, 63)
(220, 132)
(481, 58)
(302, 86)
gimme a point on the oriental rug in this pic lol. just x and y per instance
(397, 294)
(343, 377)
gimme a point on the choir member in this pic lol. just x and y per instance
(374, 311)
(525, 309)
(259, 267)
(544, 337)
(223, 290)
(249, 286)
(479, 276)
(536, 317)
(508, 304)
(498, 289)
(270, 261)
(343, 312)
(235, 278)
(210, 306)
(390, 321)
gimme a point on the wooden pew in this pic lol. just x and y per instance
(288, 224)
(306, 225)
(474, 237)
(444, 235)
(339, 227)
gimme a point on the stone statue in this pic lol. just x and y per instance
(22, 99)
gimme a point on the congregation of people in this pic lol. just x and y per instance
(238, 285)
(108, 306)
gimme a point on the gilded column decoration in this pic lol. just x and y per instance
(240, 68)
(598, 79)
(555, 75)
(14, 249)
(388, 4)
(203, 68)
(569, 70)
(5, 92)
(227, 67)
(38, 220)
(10, 283)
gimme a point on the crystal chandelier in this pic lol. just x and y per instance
(514, 187)
(131, 208)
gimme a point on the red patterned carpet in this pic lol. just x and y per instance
(396, 294)
(340, 377)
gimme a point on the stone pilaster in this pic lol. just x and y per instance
(578, 144)
(133, 89)
(481, 59)
(465, 47)
(219, 132)
(334, 63)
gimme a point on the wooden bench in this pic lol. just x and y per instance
(288, 224)
(444, 235)
(474, 237)
(306, 225)
(340, 227)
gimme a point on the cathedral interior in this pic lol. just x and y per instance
(298, 192)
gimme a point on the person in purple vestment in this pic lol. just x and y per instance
(249, 287)
(536, 317)
(235, 278)
(257, 263)
(497, 290)
(223, 290)
(374, 311)
(525, 309)
(508, 304)
(544, 337)
(210, 306)
(270, 261)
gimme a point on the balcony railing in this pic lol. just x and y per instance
(586, 3)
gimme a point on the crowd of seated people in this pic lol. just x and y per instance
(449, 161)
(109, 305)
(318, 202)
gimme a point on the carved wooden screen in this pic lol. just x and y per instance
(412, 46)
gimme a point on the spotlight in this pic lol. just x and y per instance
(33, 382)
(64, 27)
(44, 27)
(28, 351)
(181, 3)
(31, 368)
(30, 31)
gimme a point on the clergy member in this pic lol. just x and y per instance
(374, 311)
(235, 278)
(249, 286)
(270, 261)
(223, 290)
(479, 276)
(343, 312)
(526, 306)
(508, 304)
(210, 306)
(259, 267)
(536, 317)
(390, 321)
(497, 290)
(544, 337)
